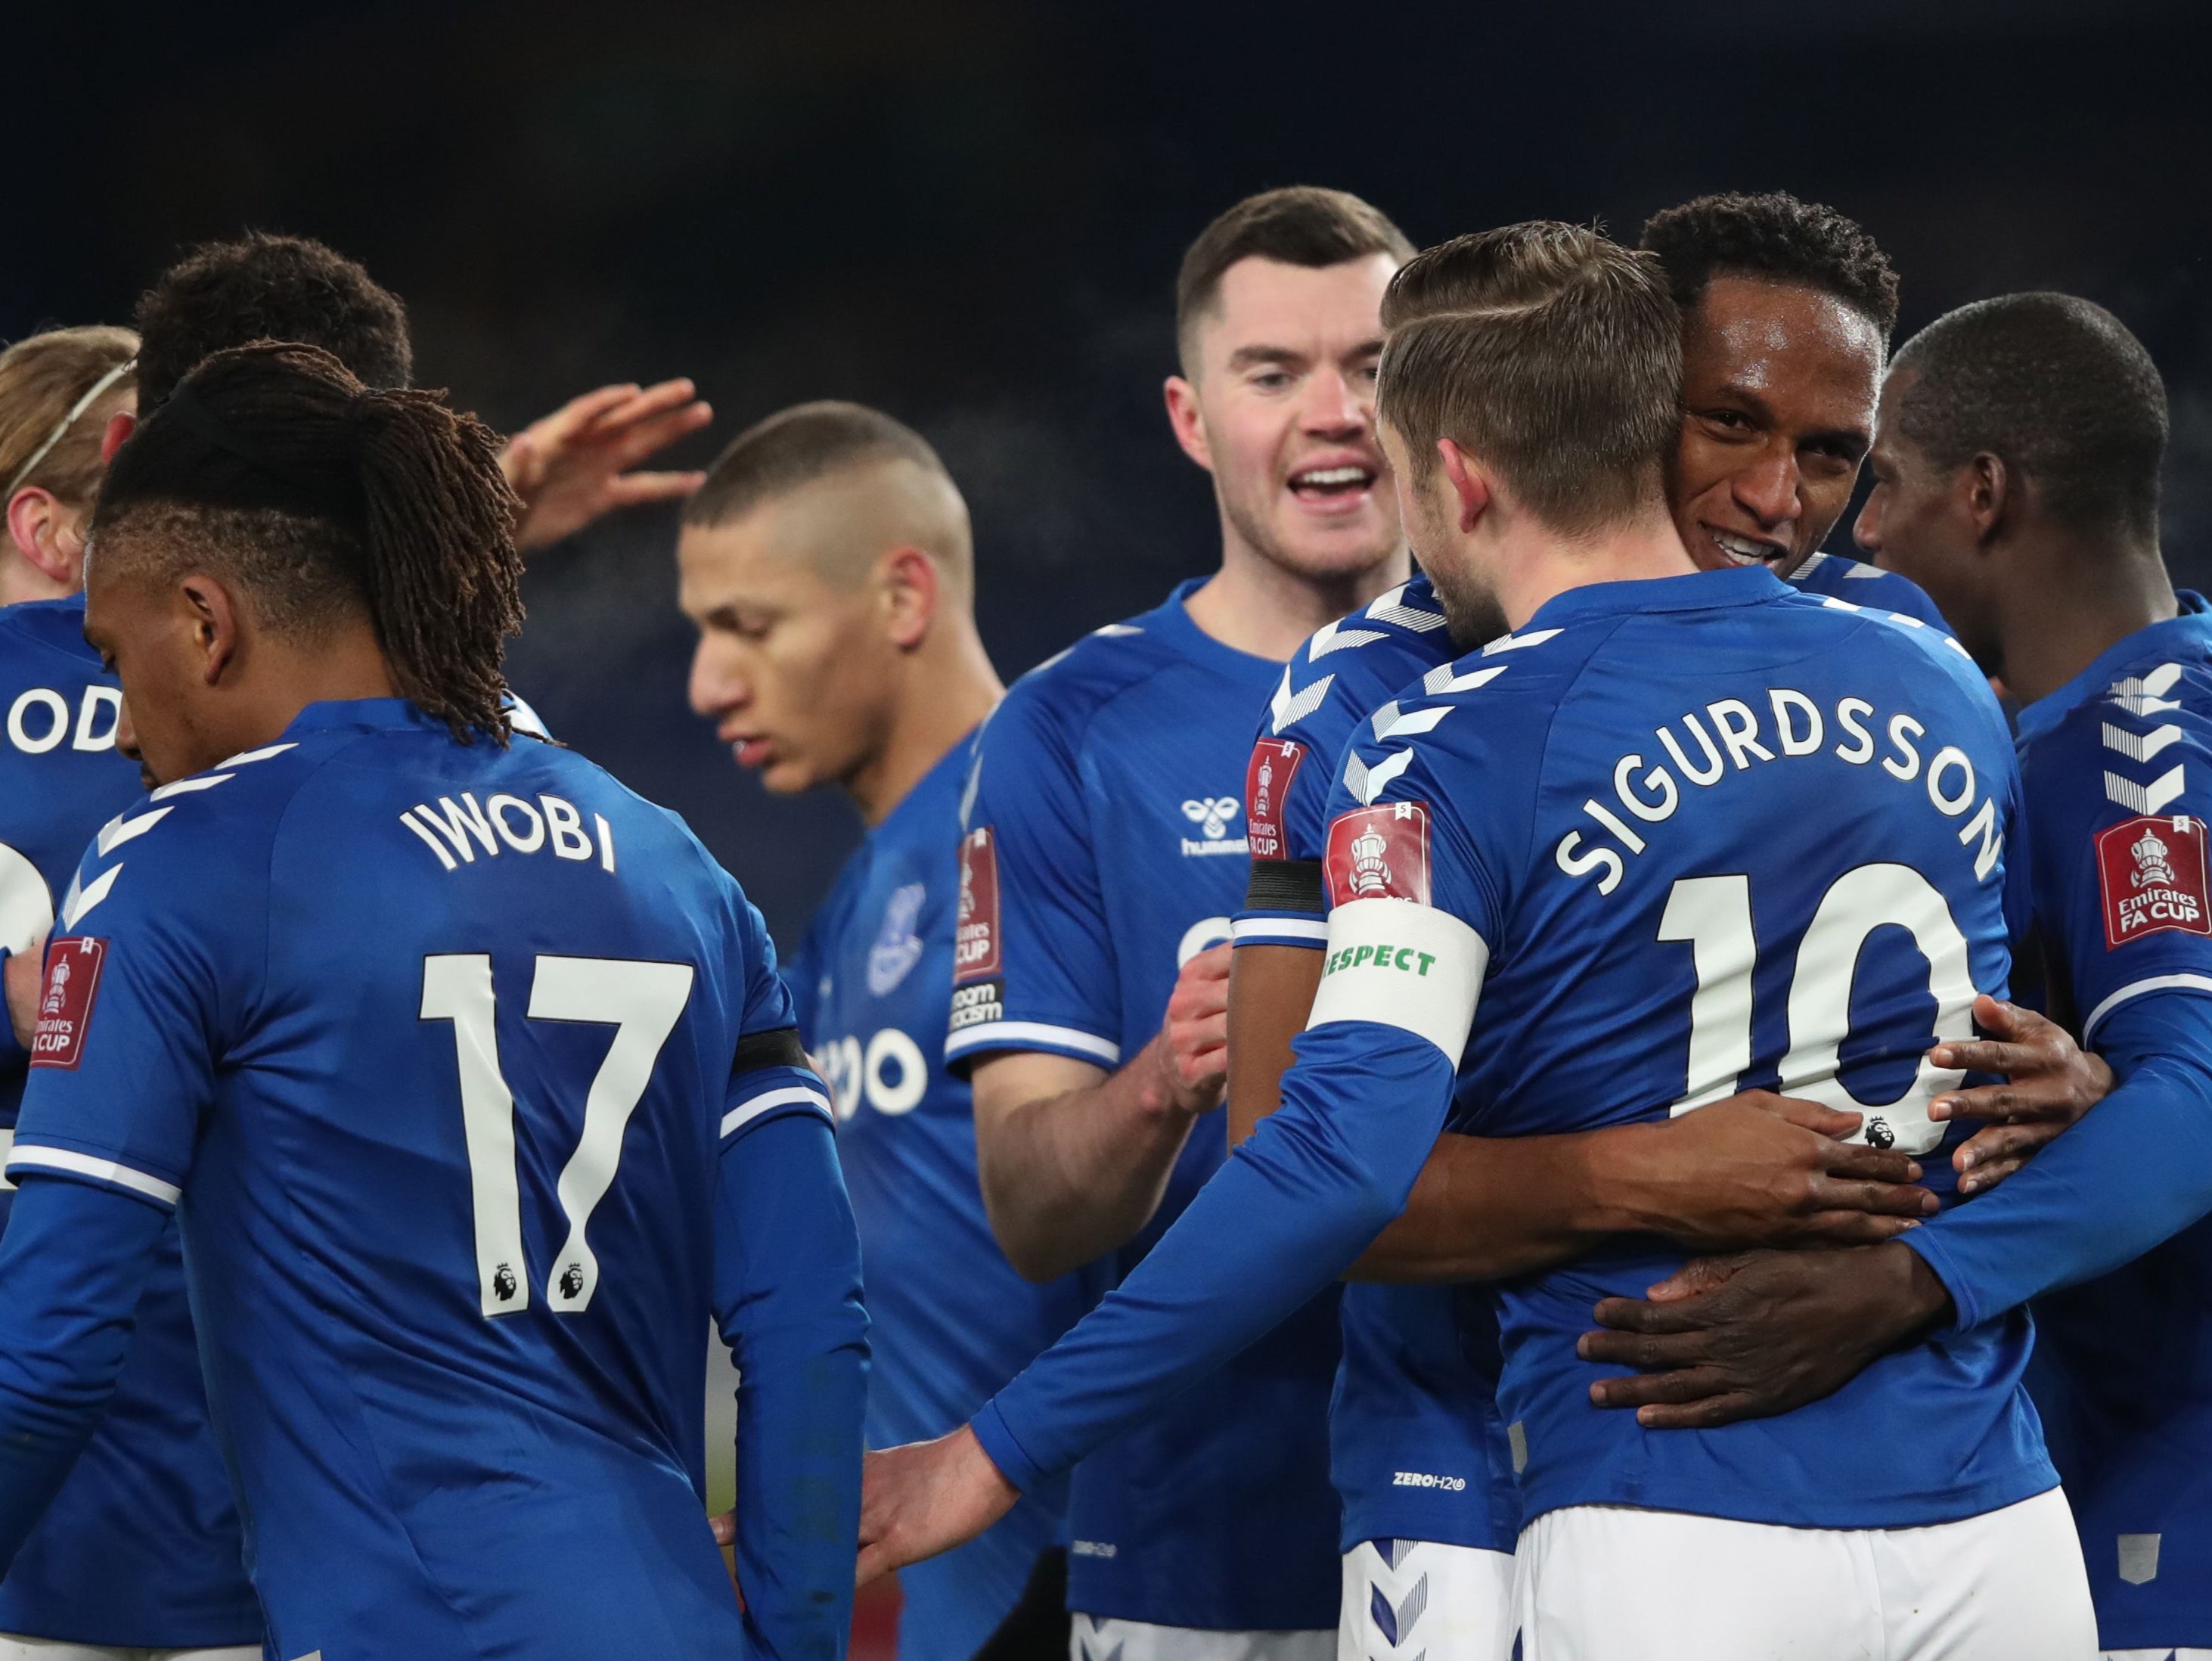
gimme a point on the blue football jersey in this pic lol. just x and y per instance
(2118, 770)
(142, 1546)
(442, 1046)
(1612, 800)
(951, 1320)
(1862, 584)
(1104, 847)
(1416, 1447)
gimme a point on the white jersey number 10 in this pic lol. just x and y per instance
(1713, 916)
(642, 1001)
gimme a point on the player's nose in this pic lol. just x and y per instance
(1332, 407)
(1866, 529)
(717, 685)
(1768, 489)
(126, 731)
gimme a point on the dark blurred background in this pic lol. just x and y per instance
(971, 214)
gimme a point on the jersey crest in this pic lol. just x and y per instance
(2153, 872)
(897, 947)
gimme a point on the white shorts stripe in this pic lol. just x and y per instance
(2155, 983)
(1279, 931)
(745, 1112)
(1032, 1035)
(32, 1157)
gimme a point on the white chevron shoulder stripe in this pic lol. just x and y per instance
(2146, 799)
(1412, 722)
(2139, 746)
(1373, 781)
(1518, 642)
(81, 899)
(1440, 680)
(119, 829)
(1391, 608)
(1285, 708)
(2146, 694)
(1335, 637)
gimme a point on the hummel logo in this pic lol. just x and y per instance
(1213, 815)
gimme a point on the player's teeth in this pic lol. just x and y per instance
(1740, 548)
(1333, 475)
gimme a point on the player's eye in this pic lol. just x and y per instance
(1271, 380)
(1728, 421)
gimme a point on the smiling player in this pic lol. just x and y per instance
(1103, 855)
(1507, 953)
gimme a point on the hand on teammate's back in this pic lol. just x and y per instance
(572, 466)
(22, 975)
(926, 1498)
(1764, 1170)
(1193, 1047)
(1760, 1333)
(2050, 1083)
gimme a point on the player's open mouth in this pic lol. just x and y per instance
(751, 752)
(1333, 488)
(1745, 551)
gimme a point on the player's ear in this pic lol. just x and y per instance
(34, 524)
(120, 426)
(912, 588)
(1987, 486)
(1183, 416)
(1467, 481)
(212, 621)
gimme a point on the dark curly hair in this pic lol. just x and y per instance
(261, 287)
(322, 499)
(1773, 236)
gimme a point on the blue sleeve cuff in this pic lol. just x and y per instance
(1935, 1252)
(1004, 1451)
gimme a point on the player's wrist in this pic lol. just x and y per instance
(1617, 1179)
(1914, 1297)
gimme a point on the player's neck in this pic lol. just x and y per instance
(1539, 565)
(21, 580)
(288, 677)
(2071, 603)
(1253, 604)
(951, 689)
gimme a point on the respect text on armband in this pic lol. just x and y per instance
(1397, 959)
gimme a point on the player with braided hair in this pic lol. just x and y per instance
(476, 1068)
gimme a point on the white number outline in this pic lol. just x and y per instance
(642, 1001)
(1713, 917)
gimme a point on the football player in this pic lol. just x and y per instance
(476, 1069)
(1104, 853)
(2017, 479)
(141, 1549)
(1787, 309)
(828, 563)
(1573, 885)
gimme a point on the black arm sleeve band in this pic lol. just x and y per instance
(1286, 885)
(779, 1048)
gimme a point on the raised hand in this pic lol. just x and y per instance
(572, 466)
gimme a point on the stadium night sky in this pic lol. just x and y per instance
(971, 214)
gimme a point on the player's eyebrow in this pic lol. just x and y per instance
(1248, 357)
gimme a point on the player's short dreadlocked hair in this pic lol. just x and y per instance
(1773, 236)
(261, 287)
(276, 469)
(2054, 385)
